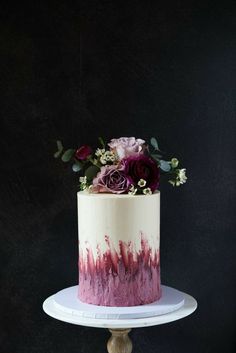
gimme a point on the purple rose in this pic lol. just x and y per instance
(126, 146)
(111, 179)
(83, 152)
(142, 167)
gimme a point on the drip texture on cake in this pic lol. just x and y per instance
(119, 262)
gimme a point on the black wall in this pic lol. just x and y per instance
(114, 68)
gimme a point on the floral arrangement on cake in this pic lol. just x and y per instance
(123, 166)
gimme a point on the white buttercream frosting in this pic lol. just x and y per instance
(120, 217)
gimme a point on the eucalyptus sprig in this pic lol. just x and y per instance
(89, 165)
(164, 165)
(60, 148)
(178, 176)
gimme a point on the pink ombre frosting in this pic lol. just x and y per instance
(119, 249)
(124, 278)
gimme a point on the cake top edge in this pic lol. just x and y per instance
(110, 195)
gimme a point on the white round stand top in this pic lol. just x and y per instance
(67, 300)
(173, 305)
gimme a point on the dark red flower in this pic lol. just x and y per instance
(83, 152)
(142, 167)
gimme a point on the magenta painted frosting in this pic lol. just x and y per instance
(126, 278)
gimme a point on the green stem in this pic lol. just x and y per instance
(94, 162)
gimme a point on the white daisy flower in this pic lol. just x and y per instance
(132, 190)
(182, 176)
(142, 183)
(99, 152)
(147, 191)
(83, 182)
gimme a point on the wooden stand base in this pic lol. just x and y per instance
(119, 342)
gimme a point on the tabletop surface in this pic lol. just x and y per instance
(190, 305)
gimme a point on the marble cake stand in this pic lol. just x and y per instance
(174, 305)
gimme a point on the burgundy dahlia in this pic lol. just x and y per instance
(142, 167)
(83, 152)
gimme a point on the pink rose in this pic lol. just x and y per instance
(126, 146)
(111, 179)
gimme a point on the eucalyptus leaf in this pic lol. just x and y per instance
(165, 166)
(59, 149)
(57, 154)
(77, 166)
(156, 156)
(100, 139)
(59, 146)
(154, 143)
(91, 172)
(67, 155)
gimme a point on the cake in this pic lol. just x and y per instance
(119, 218)
(119, 262)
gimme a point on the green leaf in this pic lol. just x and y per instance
(77, 166)
(67, 155)
(59, 149)
(59, 145)
(156, 156)
(165, 166)
(57, 154)
(91, 172)
(100, 139)
(154, 143)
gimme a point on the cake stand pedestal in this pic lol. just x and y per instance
(173, 305)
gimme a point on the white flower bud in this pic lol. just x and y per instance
(174, 162)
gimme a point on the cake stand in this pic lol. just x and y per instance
(173, 305)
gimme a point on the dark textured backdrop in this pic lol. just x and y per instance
(114, 68)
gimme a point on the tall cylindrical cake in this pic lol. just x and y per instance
(119, 248)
